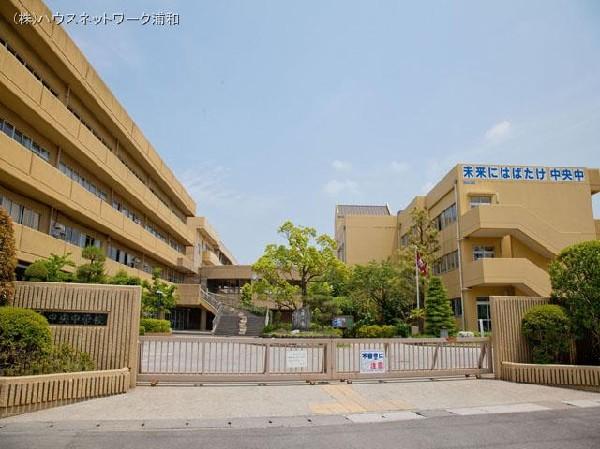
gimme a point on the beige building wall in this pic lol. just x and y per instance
(73, 159)
(524, 226)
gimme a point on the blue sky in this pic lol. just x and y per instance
(276, 110)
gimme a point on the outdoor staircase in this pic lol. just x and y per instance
(233, 321)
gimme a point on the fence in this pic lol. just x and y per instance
(27, 393)
(564, 375)
(198, 359)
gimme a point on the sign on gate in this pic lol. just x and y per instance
(296, 358)
(372, 361)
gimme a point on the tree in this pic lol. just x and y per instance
(287, 270)
(382, 293)
(575, 278)
(56, 267)
(422, 237)
(158, 296)
(93, 271)
(8, 260)
(438, 313)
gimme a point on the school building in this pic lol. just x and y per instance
(76, 170)
(499, 227)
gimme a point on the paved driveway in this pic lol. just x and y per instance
(252, 401)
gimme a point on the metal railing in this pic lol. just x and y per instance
(210, 359)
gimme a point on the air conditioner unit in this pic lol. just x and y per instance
(59, 230)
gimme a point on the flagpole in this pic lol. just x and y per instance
(417, 278)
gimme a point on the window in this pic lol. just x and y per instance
(123, 257)
(73, 235)
(27, 66)
(446, 263)
(122, 207)
(483, 314)
(86, 184)
(456, 306)
(483, 252)
(21, 214)
(24, 140)
(480, 200)
(446, 218)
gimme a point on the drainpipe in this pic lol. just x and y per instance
(458, 242)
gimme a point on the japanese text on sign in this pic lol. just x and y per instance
(372, 361)
(522, 173)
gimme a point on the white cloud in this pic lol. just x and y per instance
(335, 187)
(498, 132)
(341, 165)
(399, 167)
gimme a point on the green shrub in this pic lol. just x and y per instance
(37, 272)
(8, 259)
(24, 336)
(142, 330)
(402, 329)
(59, 359)
(376, 331)
(122, 278)
(153, 325)
(547, 330)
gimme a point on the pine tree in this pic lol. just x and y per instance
(438, 313)
(8, 260)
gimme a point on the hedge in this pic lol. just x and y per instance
(153, 325)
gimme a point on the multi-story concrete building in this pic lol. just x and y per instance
(499, 228)
(75, 169)
(364, 233)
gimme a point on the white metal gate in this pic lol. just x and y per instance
(209, 359)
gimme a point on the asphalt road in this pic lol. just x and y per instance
(561, 429)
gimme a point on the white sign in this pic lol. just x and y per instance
(296, 358)
(522, 173)
(372, 361)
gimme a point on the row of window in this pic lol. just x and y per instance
(73, 235)
(27, 66)
(446, 218)
(43, 153)
(126, 210)
(20, 214)
(89, 127)
(27, 142)
(85, 183)
(446, 263)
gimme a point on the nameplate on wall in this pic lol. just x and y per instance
(68, 318)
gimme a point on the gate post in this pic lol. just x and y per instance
(267, 364)
(330, 362)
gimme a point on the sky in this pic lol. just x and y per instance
(279, 110)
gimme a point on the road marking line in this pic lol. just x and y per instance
(583, 403)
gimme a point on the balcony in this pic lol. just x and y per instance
(68, 132)
(210, 258)
(33, 245)
(501, 220)
(519, 272)
(38, 179)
